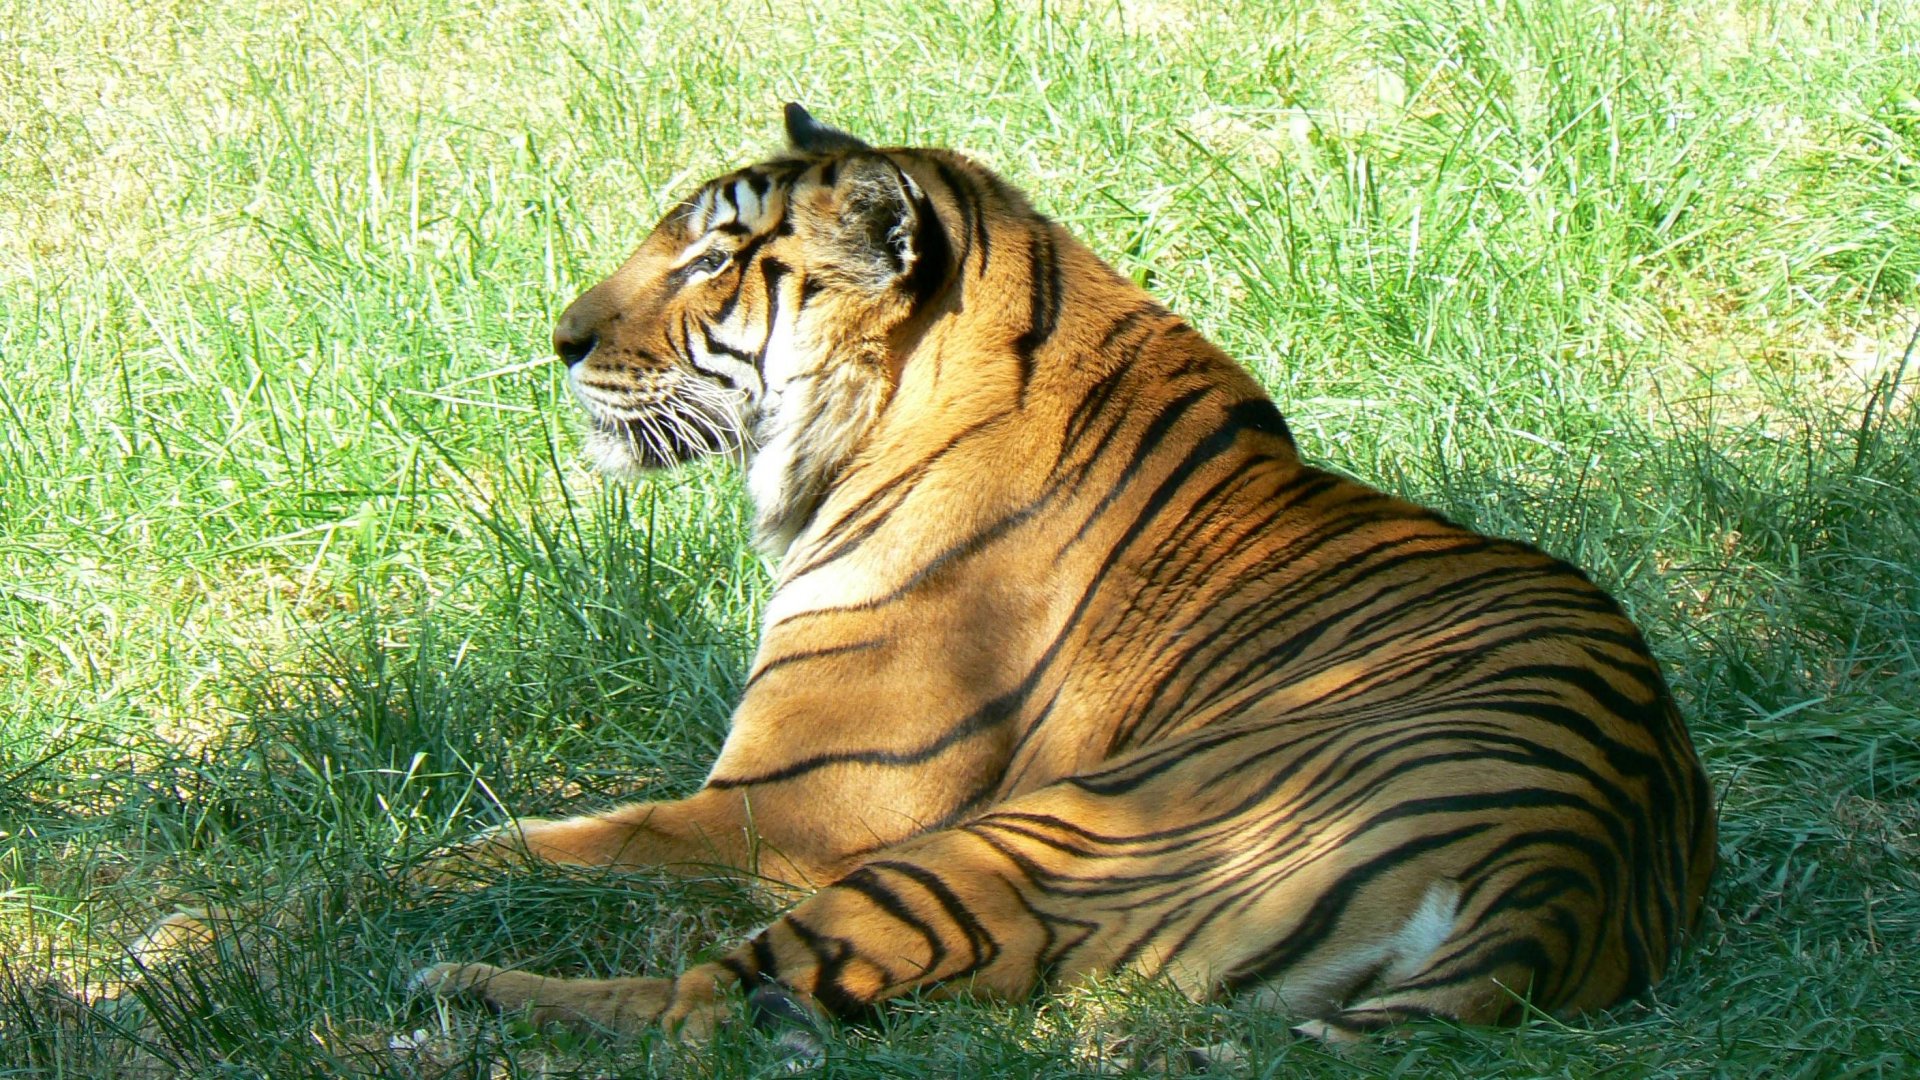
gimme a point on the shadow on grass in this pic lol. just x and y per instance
(1778, 575)
(580, 659)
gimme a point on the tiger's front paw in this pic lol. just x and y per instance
(453, 980)
(689, 1008)
(481, 860)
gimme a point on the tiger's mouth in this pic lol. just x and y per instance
(662, 426)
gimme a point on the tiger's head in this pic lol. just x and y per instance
(765, 317)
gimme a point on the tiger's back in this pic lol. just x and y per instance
(1073, 665)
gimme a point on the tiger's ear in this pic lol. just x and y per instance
(810, 136)
(887, 231)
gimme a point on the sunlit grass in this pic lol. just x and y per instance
(300, 575)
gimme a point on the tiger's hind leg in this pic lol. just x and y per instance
(1219, 864)
(1079, 878)
(932, 911)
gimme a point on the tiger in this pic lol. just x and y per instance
(1073, 668)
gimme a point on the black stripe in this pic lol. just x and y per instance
(748, 975)
(932, 253)
(968, 204)
(1281, 607)
(1263, 416)
(1127, 322)
(830, 957)
(1486, 959)
(764, 959)
(962, 203)
(866, 882)
(1204, 451)
(1045, 284)
(771, 272)
(1143, 449)
(1229, 638)
(984, 718)
(715, 345)
(984, 948)
(973, 206)
(812, 654)
(1091, 405)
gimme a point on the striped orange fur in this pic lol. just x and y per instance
(1074, 666)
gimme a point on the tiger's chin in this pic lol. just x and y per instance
(632, 447)
(616, 452)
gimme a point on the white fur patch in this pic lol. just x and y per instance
(751, 205)
(701, 218)
(778, 442)
(728, 366)
(1316, 989)
(1422, 935)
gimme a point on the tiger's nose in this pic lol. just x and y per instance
(572, 340)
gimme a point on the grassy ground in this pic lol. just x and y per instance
(300, 575)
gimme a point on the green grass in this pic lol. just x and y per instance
(300, 574)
